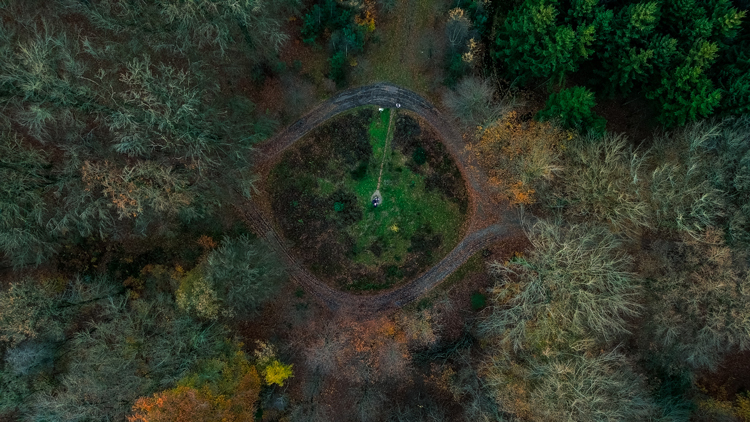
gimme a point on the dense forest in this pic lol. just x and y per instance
(162, 260)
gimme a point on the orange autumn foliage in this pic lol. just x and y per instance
(517, 155)
(183, 404)
(366, 19)
(187, 404)
(232, 399)
(132, 189)
(365, 350)
(207, 242)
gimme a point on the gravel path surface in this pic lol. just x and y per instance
(488, 221)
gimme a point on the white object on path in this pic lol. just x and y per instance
(398, 105)
(376, 197)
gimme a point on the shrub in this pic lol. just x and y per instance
(337, 71)
(226, 388)
(198, 297)
(478, 301)
(473, 103)
(330, 15)
(28, 309)
(163, 112)
(42, 79)
(26, 371)
(146, 187)
(277, 373)
(347, 210)
(23, 208)
(711, 409)
(348, 40)
(572, 107)
(420, 328)
(700, 179)
(346, 25)
(456, 67)
(573, 289)
(457, 29)
(461, 45)
(727, 158)
(369, 403)
(274, 372)
(360, 352)
(520, 157)
(30, 358)
(233, 280)
(322, 356)
(187, 26)
(682, 194)
(419, 156)
(467, 386)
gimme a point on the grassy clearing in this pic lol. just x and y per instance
(407, 205)
(322, 197)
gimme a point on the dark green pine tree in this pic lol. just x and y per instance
(572, 107)
(689, 21)
(685, 93)
(732, 72)
(734, 80)
(633, 47)
(538, 41)
(685, 88)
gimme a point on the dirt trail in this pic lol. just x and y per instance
(488, 221)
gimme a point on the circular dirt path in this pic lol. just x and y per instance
(488, 221)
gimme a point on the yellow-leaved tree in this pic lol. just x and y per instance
(273, 370)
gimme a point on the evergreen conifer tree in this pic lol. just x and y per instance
(533, 43)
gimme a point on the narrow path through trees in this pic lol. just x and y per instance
(488, 221)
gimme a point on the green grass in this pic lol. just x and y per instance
(406, 207)
(379, 129)
(325, 187)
